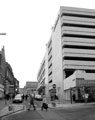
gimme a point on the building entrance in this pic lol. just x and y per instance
(86, 90)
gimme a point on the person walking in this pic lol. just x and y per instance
(44, 104)
(31, 100)
(74, 97)
(86, 95)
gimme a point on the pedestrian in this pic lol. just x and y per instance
(74, 97)
(44, 104)
(86, 95)
(26, 96)
(31, 102)
(23, 96)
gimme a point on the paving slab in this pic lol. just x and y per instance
(10, 109)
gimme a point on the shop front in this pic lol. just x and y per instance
(85, 87)
(79, 87)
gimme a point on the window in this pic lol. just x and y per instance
(50, 81)
(78, 25)
(78, 15)
(49, 51)
(78, 36)
(50, 65)
(49, 43)
(79, 47)
(50, 58)
(50, 73)
(79, 58)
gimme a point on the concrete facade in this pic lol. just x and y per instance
(30, 87)
(78, 53)
(71, 49)
(42, 76)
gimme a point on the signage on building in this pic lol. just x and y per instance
(85, 83)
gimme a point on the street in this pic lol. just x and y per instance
(69, 113)
(82, 113)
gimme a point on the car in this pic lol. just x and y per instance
(18, 99)
(38, 97)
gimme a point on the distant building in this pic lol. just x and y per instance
(31, 87)
(21, 90)
(70, 55)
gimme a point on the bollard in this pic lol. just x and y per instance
(10, 109)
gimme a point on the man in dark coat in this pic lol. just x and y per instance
(31, 100)
(74, 97)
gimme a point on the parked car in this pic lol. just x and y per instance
(18, 99)
(38, 97)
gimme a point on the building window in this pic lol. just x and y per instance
(50, 58)
(78, 36)
(49, 43)
(78, 15)
(79, 47)
(49, 51)
(50, 73)
(50, 81)
(78, 25)
(79, 58)
(50, 65)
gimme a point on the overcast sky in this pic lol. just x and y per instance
(28, 26)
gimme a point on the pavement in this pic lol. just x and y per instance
(4, 103)
(66, 105)
(8, 108)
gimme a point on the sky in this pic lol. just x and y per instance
(27, 24)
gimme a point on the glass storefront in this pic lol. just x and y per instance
(85, 90)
